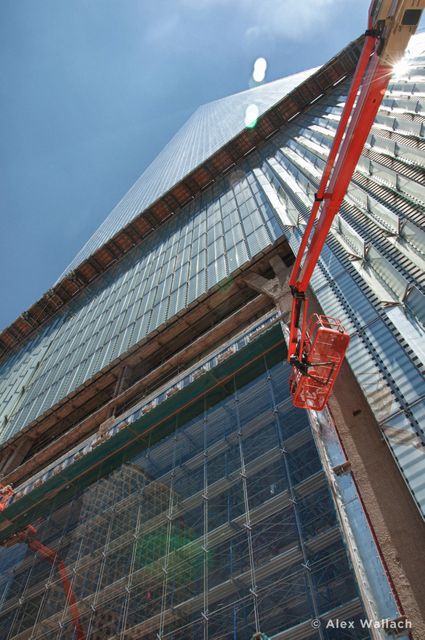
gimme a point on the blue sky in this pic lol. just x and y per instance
(91, 90)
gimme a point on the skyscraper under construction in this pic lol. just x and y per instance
(164, 487)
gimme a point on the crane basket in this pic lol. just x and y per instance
(324, 349)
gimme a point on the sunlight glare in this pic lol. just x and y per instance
(400, 69)
(260, 67)
(251, 115)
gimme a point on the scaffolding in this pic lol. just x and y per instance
(223, 529)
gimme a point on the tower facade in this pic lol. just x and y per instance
(145, 417)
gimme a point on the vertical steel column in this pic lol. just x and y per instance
(205, 513)
(100, 575)
(160, 633)
(293, 501)
(48, 581)
(248, 527)
(127, 588)
(80, 546)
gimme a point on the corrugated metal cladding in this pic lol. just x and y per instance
(371, 274)
(207, 130)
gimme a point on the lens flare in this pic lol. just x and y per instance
(260, 68)
(251, 116)
(400, 69)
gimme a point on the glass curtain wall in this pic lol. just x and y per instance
(222, 529)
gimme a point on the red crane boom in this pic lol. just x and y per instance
(317, 349)
(27, 536)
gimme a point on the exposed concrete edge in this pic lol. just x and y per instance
(320, 424)
(396, 522)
